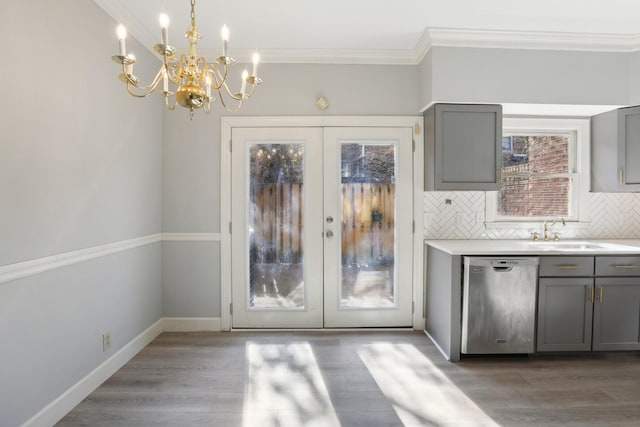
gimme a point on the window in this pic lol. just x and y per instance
(544, 172)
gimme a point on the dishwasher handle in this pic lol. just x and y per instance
(502, 269)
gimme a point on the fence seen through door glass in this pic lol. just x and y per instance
(276, 212)
(368, 188)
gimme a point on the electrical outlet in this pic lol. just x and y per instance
(106, 341)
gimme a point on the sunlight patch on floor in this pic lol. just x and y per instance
(285, 387)
(419, 392)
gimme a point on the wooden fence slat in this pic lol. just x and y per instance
(367, 236)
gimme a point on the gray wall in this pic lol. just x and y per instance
(634, 91)
(191, 161)
(80, 166)
(529, 76)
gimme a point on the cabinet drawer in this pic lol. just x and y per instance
(618, 266)
(559, 266)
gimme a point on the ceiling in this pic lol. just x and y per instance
(383, 31)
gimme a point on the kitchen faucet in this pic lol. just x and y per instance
(546, 228)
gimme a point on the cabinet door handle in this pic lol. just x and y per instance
(567, 266)
(620, 176)
(591, 294)
(600, 293)
(624, 265)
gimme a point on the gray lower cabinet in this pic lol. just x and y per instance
(463, 147)
(565, 313)
(615, 150)
(599, 311)
(616, 314)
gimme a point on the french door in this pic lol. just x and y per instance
(321, 227)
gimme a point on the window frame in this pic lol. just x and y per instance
(579, 160)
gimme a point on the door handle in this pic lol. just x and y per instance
(329, 234)
(591, 294)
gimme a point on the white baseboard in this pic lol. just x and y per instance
(444, 353)
(54, 411)
(191, 324)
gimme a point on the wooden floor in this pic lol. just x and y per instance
(356, 379)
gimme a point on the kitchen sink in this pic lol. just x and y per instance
(566, 246)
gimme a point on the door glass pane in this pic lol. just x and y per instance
(368, 172)
(276, 267)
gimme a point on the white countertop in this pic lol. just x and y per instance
(529, 247)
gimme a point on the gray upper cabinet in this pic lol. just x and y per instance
(615, 150)
(462, 147)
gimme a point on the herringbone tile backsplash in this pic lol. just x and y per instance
(461, 215)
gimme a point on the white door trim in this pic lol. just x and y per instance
(227, 123)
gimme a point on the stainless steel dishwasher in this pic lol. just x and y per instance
(499, 305)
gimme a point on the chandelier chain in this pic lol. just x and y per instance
(193, 13)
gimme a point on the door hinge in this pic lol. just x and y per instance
(231, 308)
(413, 226)
(230, 146)
(413, 145)
(413, 307)
(229, 227)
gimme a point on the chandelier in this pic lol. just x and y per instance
(192, 78)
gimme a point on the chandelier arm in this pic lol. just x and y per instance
(137, 95)
(237, 96)
(166, 102)
(201, 64)
(253, 88)
(224, 104)
(146, 89)
(176, 64)
(219, 78)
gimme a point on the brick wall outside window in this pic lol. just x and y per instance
(525, 192)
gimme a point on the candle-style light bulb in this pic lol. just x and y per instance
(164, 27)
(121, 32)
(245, 74)
(224, 33)
(165, 81)
(256, 61)
(207, 81)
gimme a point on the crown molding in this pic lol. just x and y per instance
(493, 39)
(432, 37)
(443, 37)
(323, 56)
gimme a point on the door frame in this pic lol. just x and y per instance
(228, 123)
